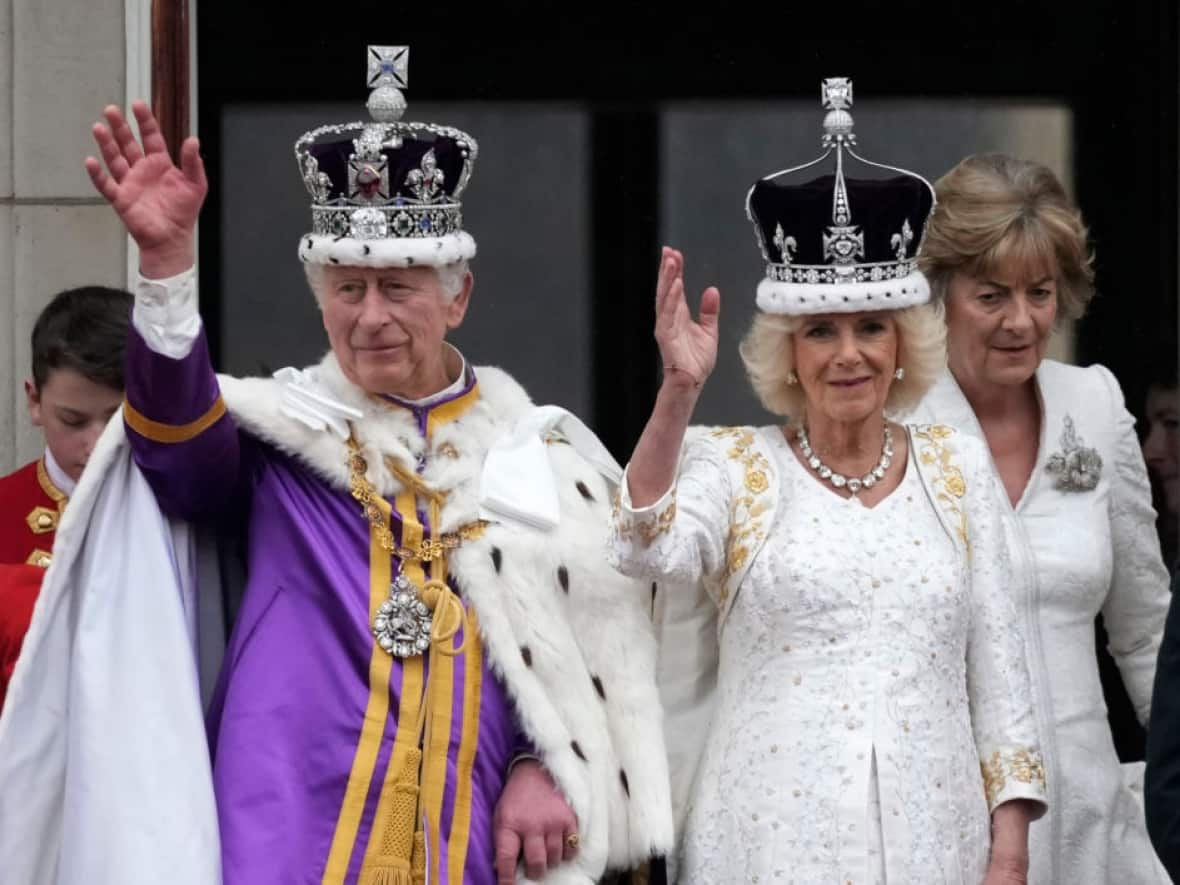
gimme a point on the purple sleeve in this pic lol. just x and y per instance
(181, 436)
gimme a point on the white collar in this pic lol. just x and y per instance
(57, 476)
(450, 390)
(310, 401)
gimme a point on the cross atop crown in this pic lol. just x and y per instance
(388, 66)
(388, 76)
(836, 93)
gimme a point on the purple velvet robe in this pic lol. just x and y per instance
(298, 776)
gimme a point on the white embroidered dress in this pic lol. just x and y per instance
(865, 670)
(1088, 550)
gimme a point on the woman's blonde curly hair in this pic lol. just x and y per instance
(768, 351)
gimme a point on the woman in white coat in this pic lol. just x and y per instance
(861, 690)
(1006, 253)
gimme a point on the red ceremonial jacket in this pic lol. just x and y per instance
(30, 509)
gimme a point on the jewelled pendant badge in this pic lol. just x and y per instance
(1077, 467)
(404, 624)
(403, 621)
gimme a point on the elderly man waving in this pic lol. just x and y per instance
(433, 677)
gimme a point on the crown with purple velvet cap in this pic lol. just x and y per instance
(836, 244)
(386, 193)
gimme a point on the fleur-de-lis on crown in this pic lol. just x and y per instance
(901, 242)
(786, 245)
(426, 181)
(318, 184)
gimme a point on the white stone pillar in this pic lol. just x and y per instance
(61, 62)
(8, 332)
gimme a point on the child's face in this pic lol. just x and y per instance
(72, 411)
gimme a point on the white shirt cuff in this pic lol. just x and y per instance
(166, 314)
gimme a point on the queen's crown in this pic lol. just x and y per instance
(835, 242)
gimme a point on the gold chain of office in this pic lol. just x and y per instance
(366, 495)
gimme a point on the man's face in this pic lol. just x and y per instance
(1161, 447)
(387, 325)
(71, 411)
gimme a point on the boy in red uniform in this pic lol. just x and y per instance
(77, 385)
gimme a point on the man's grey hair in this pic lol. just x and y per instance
(450, 278)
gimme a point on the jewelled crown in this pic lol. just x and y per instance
(838, 244)
(386, 193)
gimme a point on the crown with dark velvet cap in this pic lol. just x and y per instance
(386, 193)
(835, 244)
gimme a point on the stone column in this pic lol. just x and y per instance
(61, 62)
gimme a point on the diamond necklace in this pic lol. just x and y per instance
(839, 480)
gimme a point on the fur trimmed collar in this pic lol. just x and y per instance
(453, 454)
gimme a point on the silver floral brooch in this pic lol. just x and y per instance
(1077, 467)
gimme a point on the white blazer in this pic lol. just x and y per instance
(1086, 550)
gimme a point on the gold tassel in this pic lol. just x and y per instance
(390, 875)
(391, 860)
(418, 863)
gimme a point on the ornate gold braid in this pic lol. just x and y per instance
(430, 549)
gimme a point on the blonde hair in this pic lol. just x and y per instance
(996, 213)
(768, 352)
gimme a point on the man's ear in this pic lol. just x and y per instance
(457, 307)
(33, 401)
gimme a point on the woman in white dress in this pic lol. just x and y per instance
(1006, 253)
(859, 710)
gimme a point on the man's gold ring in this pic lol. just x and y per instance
(573, 840)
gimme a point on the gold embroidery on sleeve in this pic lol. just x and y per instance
(747, 507)
(652, 529)
(949, 484)
(1024, 766)
(647, 528)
